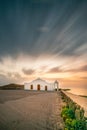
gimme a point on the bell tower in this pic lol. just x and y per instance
(56, 86)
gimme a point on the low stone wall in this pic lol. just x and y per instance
(79, 111)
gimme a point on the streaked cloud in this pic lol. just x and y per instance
(10, 78)
(43, 29)
(84, 77)
(84, 68)
(55, 70)
(43, 38)
(79, 69)
(22, 28)
(28, 71)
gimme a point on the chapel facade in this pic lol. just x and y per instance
(41, 85)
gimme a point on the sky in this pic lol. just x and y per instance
(43, 38)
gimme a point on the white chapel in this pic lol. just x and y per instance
(40, 84)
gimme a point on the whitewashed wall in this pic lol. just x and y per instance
(42, 83)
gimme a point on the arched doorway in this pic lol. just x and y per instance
(45, 88)
(31, 87)
(38, 87)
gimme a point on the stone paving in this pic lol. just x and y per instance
(36, 112)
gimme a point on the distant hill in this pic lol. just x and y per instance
(12, 87)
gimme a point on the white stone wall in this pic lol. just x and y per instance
(42, 83)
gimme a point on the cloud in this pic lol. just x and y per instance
(43, 32)
(55, 70)
(43, 29)
(9, 78)
(23, 29)
(42, 1)
(28, 71)
(84, 77)
(80, 69)
(3, 79)
(59, 70)
(83, 68)
(14, 75)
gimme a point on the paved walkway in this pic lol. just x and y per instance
(37, 112)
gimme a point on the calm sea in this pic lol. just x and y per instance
(74, 89)
(79, 91)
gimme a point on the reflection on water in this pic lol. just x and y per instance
(78, 88)
(79, 91)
